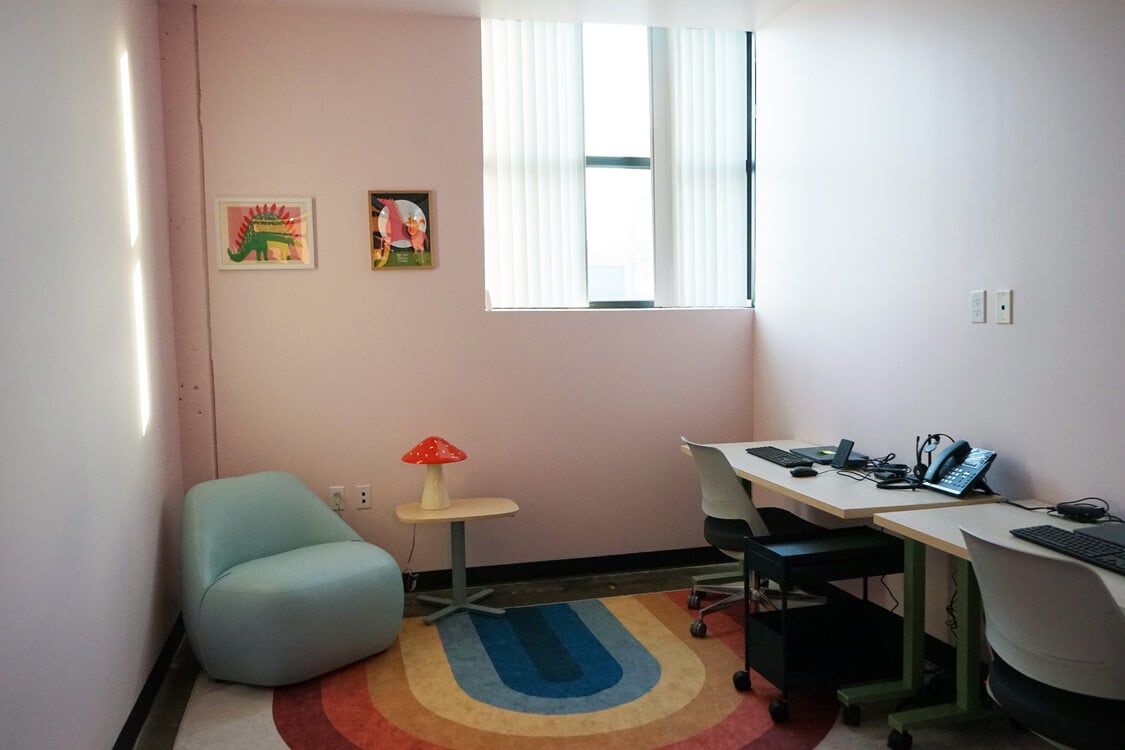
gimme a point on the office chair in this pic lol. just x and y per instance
(1058, 644)
(730, 517)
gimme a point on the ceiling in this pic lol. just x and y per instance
(714, 14)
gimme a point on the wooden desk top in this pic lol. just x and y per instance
(941, 529)
(833, 493)
(463, 509)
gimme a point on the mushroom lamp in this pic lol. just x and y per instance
(433, 452)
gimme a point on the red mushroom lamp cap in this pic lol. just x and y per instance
(434, 450)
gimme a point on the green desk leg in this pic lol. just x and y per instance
(913, 640)
(969, 704)
(459, 600)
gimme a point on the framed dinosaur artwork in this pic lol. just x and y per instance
(402, 229)
(265, 233)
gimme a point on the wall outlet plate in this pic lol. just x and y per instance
(363, 492)
(1003, 305)
(976, 306)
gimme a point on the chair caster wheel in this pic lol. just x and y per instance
(741, 681)
(851, 716)
(694, 600)
(899, 740)
(779, 711)
(699, 628)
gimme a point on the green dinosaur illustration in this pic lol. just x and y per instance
(264, 226)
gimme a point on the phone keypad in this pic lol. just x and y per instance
(958, 478)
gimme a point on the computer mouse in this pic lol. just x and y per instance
(803, 471)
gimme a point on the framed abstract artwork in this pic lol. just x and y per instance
(265, 233)
(402, 229)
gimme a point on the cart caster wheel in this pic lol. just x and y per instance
(851, 716)
(899, 740)
(699, 628)
(779, 711)
(741, 681)
(694, 600)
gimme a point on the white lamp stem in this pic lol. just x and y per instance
(434, 495)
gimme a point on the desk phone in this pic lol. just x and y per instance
(959, 469)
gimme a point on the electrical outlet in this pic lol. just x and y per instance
(976, 306)
(364, 493)
(1003, 305)
(336, 498)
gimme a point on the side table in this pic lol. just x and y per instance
(459, 511)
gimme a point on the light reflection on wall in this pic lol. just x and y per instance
(130, 149)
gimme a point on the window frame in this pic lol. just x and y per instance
(668, 231)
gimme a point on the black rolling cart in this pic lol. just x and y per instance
(845, 639)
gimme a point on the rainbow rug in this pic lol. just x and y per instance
(615, 672)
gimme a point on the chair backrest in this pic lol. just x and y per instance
(1050, 619)
(723, 494)
(230, 521)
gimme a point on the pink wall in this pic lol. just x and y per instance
(912, 152)
(335, 373)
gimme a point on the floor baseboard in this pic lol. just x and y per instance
(127, 739)
(490, 575)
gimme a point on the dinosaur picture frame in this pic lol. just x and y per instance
(265, 233)
(402, 229)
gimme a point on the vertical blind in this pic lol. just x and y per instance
(708, 159)
(534, 165)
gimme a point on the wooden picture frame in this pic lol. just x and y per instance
(265, 233)
(402, 229)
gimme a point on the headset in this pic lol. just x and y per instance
(902, 477)
(925, 448)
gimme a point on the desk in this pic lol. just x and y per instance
(831, 493)
(847, 498)
(941, 529)
(459, 511)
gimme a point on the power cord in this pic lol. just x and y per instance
(883, 580)
(409, 577)
(950, 609)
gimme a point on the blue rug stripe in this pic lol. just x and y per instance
(547, 651)
(516, 663)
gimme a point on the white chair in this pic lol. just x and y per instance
(1058, 643)
(730, 517)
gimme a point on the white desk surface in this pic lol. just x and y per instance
(941, 529)
(830, 492)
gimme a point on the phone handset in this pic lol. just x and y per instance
(951, 456)
(959, 468)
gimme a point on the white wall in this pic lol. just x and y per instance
(912, 152)
(335, 373)
(89, 511)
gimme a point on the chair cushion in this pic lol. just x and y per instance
(1072, 719)
(291, 616)
(728, 534)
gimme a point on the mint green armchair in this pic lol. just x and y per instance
(277, 588)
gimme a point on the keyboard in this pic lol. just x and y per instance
(1081, 546)
(779, 457)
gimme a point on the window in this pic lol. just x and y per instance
(616, 165)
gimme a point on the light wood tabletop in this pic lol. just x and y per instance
(461, 509)
(941, 529)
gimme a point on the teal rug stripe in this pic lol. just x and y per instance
(567, 659)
